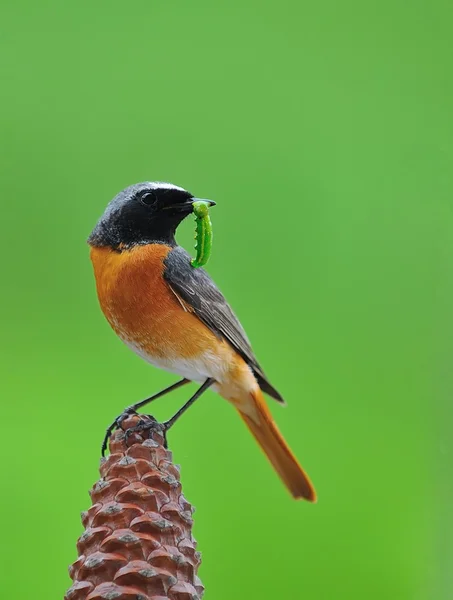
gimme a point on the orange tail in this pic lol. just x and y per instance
(266, 433)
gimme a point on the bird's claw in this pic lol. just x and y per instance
(145, 425)
(127, 412)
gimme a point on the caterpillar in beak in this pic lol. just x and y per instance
(203, 233)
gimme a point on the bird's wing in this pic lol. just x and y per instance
(195, 288)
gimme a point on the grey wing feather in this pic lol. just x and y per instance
(196, 288)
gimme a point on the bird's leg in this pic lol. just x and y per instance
(207, 384)
(130, 410)
(167, 424)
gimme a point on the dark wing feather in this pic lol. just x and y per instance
(196, 288)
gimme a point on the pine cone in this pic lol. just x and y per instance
(138, 542)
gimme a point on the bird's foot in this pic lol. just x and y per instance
(147, 423)
(127, 412)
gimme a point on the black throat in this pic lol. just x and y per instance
(125, 238)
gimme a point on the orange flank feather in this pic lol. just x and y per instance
(266, 433)
(140, 306)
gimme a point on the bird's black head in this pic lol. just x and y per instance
(143, 213)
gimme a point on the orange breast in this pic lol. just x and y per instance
(142, 308)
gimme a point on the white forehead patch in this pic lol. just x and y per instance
(162, 185)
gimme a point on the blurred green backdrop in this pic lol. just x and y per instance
(324, 132)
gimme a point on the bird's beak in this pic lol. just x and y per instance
(187, 206)
(208, 202)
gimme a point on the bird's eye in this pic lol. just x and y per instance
(148, 198)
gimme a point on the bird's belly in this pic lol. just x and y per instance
(195, 368)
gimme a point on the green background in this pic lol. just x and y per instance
(324, 132)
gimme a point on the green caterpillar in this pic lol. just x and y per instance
(203, 233)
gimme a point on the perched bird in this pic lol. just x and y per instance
(173, 315)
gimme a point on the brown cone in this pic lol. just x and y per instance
(138, 542)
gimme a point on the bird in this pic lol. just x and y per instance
(175, 317)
